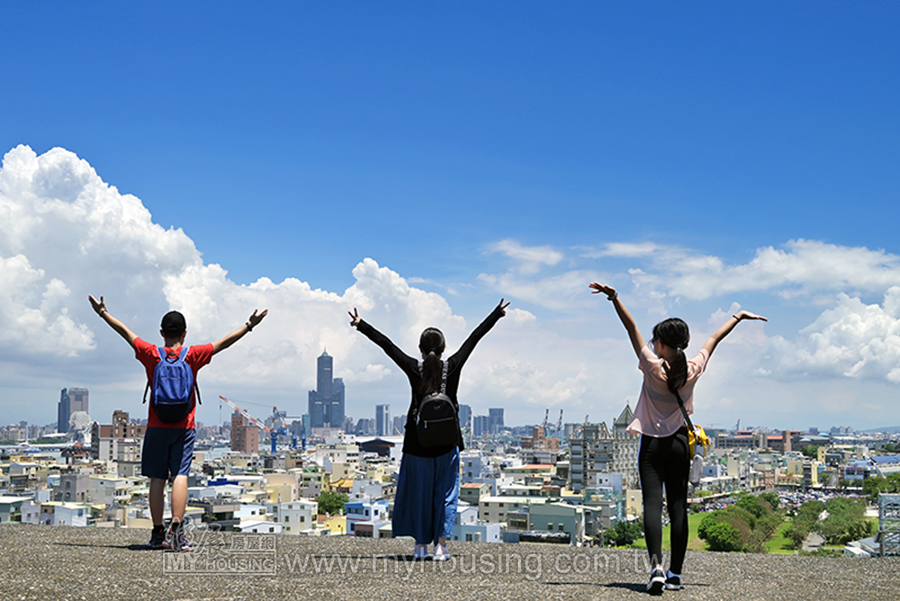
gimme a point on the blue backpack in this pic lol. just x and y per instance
(173, 382)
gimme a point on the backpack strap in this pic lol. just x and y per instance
(443, 374)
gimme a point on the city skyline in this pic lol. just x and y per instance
(421, 162)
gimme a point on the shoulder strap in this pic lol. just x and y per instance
(687, 419)
(182, 354)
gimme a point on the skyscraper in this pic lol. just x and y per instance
(496, 420)
(465, 414)
(63, 411)
(70, 401)
(326, 403)
(79, 399)
(383, 420)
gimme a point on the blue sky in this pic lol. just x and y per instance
(478, 151)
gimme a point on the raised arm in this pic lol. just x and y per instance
(224, 343)
(478, 333)
(115, 324)
(726, 328)
(404, 361)
(637, 341)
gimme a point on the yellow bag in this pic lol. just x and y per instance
(698, 435)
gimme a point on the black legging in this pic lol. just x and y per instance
(665, 461)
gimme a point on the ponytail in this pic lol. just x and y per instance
(431, 345)
(675, 334)
(676, 371)
(431, 374)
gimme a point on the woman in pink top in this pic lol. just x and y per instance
(664, 458)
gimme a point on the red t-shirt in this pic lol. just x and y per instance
(197, 357)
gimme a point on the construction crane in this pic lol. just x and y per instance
(281, 427)
(559, 424)
(546, 417)
(586, 419)
(272, 433)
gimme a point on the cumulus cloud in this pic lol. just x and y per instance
(851, 340)
(802, 268)
(70, 234)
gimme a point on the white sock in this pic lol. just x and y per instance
(669, 574)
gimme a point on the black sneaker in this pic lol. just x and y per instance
(657, 582)
(157, 537)
(673, 583)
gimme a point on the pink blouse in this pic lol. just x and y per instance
(657, 413)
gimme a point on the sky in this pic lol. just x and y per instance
(421, 161)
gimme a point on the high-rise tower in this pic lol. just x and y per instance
(326, 403)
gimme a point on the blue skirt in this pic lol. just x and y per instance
(427, 494)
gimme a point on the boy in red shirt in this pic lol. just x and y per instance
(169, 447)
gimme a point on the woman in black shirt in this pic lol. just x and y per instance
(428, 486)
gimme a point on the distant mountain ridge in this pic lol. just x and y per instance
(888, 430)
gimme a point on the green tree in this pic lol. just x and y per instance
(624, 533)
(810, 451)
(797, 533)
(332, 502)
(751, 504)
(770, 498)
(709, 520)
(724, 537)
(845, 521)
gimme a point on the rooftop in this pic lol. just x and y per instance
(58, 562)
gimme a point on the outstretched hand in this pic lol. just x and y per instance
(98, 306)
(503, 307)
(599, 288)
(354, 317)
(742, 315)
(256, 318)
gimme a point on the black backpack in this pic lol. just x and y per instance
(437, 422)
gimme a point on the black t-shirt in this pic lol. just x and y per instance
(410, 367)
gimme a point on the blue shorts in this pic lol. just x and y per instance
(168, 452)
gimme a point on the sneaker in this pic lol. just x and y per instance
(657, 582)
(157, 537)
(421, 552)
(440, 553)
(673, 582)
(175, 538)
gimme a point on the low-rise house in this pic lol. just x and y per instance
(368, 511)
(259, 527)
(558, 517)
(11, 506)
(296, 517)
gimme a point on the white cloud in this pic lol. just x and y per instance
(68, 234)
(71, 235)
(803, 268)
(529, 259)
(624, 250)
(850, 340)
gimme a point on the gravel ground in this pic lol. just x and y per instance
(58, 562)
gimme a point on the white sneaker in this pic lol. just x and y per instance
(421, 552)
(440, 553)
